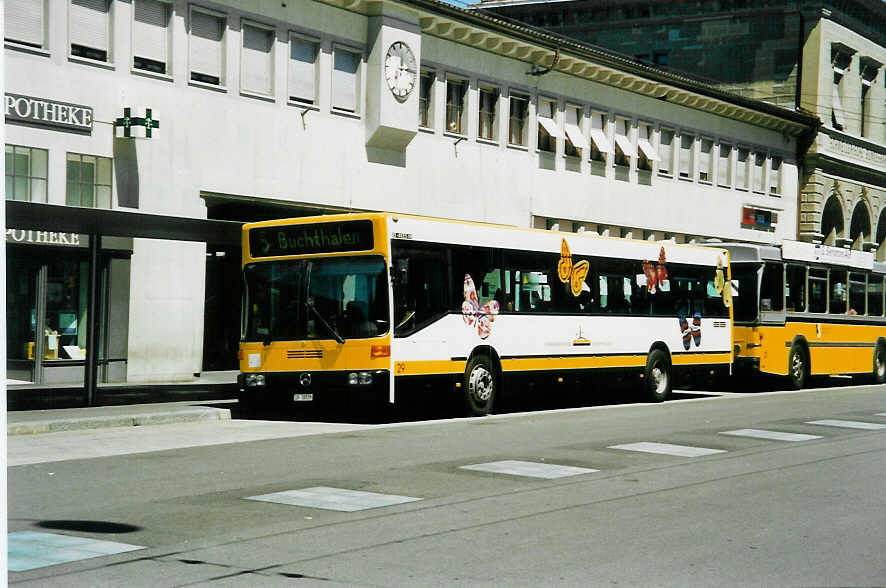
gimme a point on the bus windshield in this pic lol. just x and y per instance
(334, 298)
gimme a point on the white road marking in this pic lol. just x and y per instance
(667, 449)
(529, 469)
(29, 550)
(333, 498)
(771, 435)
(848, 424)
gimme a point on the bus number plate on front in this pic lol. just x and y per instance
(302, 397)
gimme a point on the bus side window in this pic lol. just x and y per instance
(818, 290)
(838, 292)
(772, 288)
(857, 294)
(875, 295)
(795, 288)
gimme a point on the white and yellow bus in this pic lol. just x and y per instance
(366, 305)
(804, 309)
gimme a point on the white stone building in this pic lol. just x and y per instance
(284, 109)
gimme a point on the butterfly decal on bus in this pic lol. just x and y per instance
(656, 273)
(572, 274)
(472, 312)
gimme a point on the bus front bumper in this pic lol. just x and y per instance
(313, 387)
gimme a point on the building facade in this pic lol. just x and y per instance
(246, 110)
(825, 57)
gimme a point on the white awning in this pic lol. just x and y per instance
(625, 146)
(550, 126)
(648, 150)
(576, 136)
(600, 140)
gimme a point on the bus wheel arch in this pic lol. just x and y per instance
(799, 363)
(658, 375)
(482, 381)
(880, 361)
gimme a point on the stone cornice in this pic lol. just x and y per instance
(540, 49)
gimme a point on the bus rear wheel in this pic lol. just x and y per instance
(798, 367)
(481, 385)
(658, 376)
(880, 363)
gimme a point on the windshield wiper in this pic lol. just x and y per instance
(332, 330)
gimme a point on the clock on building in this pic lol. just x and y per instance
(401, 69)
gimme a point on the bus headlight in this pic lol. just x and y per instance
(359, 378)
(255, 379)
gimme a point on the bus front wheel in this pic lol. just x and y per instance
(880, 363)
(481, 384)
(798, 367)
(658, 376)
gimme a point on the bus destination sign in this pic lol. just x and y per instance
(332, 237)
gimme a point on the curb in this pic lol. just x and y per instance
(186, 415)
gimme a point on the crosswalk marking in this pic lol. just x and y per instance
(848, 424)
(771, 435)
(333, 498)
(529, 469)
(667, 449)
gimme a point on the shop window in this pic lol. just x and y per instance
(518, 113)
(666, 152)
(488, 113)
(599, 141)
(88, 181)
(26, 173)
(207, 47)
(26, 22)
(257, 59)
(838, 294)
(818, 290)
(346, 80)
(724, 166)
(624, 150)
(426, 99)
(303, 54)
(875, 296)
(150, 36)
(90, 29)
(548, 130)
(795, 288)
(575, 138)
(687, 152)
(775, 176)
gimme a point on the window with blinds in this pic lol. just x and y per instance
(775, 176)
(26, 173)
(687, 144)
(256, 59)
(518, 113)
(426, 99)
(724, 166)
(25, 22)
(89, 28)
(456, 92)
(706, 161)
(666, 152)
(303, 69)
(488, 113)
(206, 55)
(741, 168)
(548, 130)
(150, 36)
(345, 79)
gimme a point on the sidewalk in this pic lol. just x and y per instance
(32, 422)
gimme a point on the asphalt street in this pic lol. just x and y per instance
(765, 489)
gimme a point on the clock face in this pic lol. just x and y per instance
(401, 70)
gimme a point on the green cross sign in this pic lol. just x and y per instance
(127, 121)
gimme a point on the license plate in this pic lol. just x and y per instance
(302, 397)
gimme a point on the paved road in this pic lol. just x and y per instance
(778, 501)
